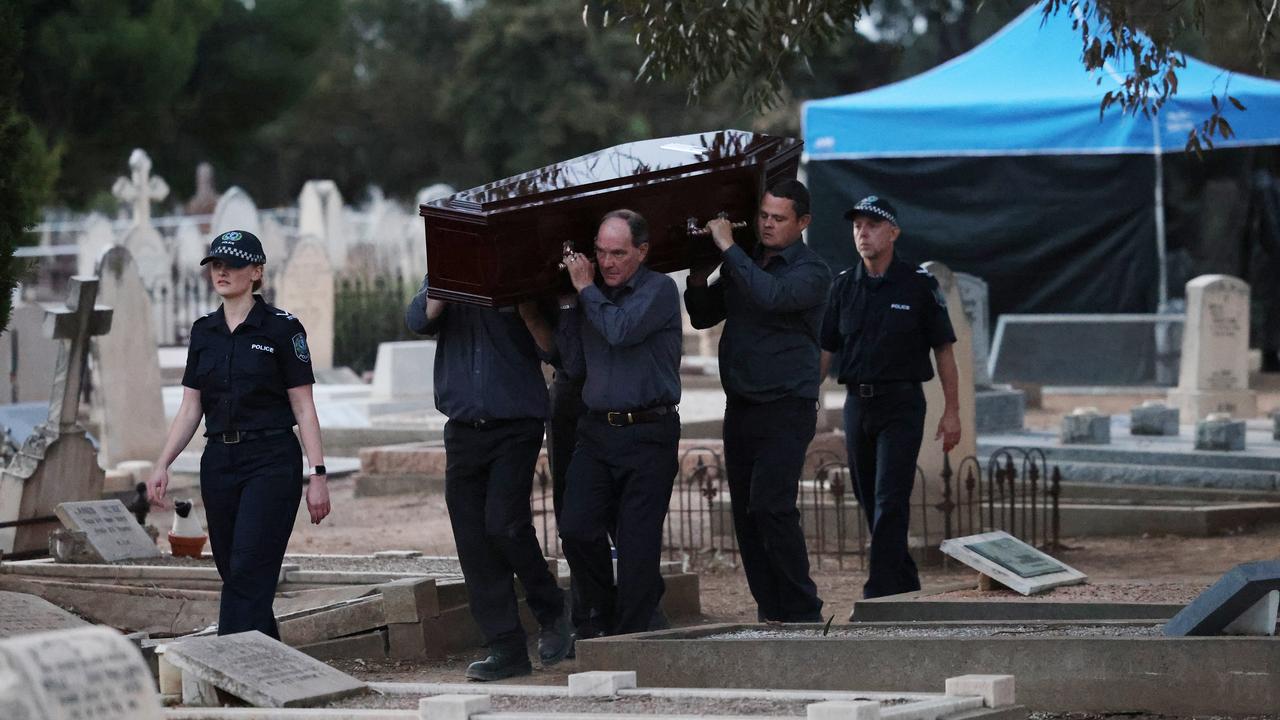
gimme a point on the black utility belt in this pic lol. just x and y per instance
(232, 437)
(870, 390)
(623, 418)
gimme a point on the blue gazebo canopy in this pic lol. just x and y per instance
(1025, 92)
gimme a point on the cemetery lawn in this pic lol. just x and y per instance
(1141, 569)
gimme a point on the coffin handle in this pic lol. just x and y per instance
(696, 229)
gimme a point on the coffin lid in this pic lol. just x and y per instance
(628, 164)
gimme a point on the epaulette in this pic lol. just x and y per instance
(285, 314)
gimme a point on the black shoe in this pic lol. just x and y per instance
(586, 632)
(554, 642)
(500, 665)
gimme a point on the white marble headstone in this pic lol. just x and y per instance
(23, 614)
(33, 375)
(130, 392)
(930, 458)
(109, 528)
(305, 288)
(77, 674)
(321, 214)
(1214, 375)
(98, 235)
(190, 246)
(235, 211)
(977, 307)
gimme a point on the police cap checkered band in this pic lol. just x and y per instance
(237, 248)
(875, 207)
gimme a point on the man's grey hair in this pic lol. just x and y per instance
(635, 223)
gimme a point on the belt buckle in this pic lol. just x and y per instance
(624, 416)
(866, 391)
(231, 438)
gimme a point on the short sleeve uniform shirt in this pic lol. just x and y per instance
(244, 376)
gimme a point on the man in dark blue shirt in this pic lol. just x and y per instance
(488, 381)
(627, 326)
(771, 302)
(882, 320)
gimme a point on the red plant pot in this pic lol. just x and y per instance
(183, 546)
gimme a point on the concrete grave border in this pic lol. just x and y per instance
(909, 607)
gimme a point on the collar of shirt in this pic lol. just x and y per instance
(789, 254)
(253, 319)
(892, 273)
(613, 293)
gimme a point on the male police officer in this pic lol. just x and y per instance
(772, 304)
(628, 328)
(883, 317)
(489, 383)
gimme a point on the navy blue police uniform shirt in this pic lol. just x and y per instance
(244, 376)
(487, 366)
(882, 329)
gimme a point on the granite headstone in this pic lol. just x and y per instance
(109, 528)
(1012, 562)
(1234, 593)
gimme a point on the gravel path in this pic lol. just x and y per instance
(630, 705)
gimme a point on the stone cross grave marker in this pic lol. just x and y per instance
(140, 189)
(1248, 588)
(57, 462)
(975, 298)
(129, 392)
(77, 674)
(260, 670)
(930, 459)
(23, 614)
(305, 288)
(109, 528)
(1011, 562)
(1214, 375)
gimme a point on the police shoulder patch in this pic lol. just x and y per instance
(300, 348)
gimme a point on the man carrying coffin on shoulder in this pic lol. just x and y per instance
(625, 332)
(489, 383)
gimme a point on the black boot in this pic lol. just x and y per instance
(554, 642)
(501, 664)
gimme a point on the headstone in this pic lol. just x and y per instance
(129, 390)
(109, 528)
(261, 671)
(28, 351)
(190, 246)
(206, 197)
(320, 214)
(56, 463)
(1085, 426)
(78, 674)
(1214, 376)
(98, 235)
(930, 459)
(23, 614)
(274, 245)
(1237, 591)
(1011, 562)
(1153, 418)
(140, 189)
(405, 370)
(1220, 432)
(975, 300)
(235, 211)
(305, 288)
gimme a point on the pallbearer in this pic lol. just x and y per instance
(249, 375)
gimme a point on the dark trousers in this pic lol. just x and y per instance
(764, 449)
(487, 481)
(251, 491)
(562, 436)
(620, 478)
(883, 435)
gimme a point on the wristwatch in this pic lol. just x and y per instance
(318, 470)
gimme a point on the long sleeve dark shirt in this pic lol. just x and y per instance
(487, 364)
(773, 315)
(626, 342)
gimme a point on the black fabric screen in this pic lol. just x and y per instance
(1049, 234)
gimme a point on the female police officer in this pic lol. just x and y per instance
(249, 373)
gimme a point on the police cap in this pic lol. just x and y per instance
(874, 207)
(236, 248)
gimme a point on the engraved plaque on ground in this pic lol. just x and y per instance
(23, 614)
(81, 674)
(261, 671)
(109, 528)
(1018, 557)
(1011, 562)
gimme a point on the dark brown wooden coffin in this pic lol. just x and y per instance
(501, 243)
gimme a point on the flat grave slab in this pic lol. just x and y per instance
(259, 670)
(23, 614)
(1102, 667)
(87, 672)
(1011, 562)
(1227, 599)
(964, 602)
(109, 528)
